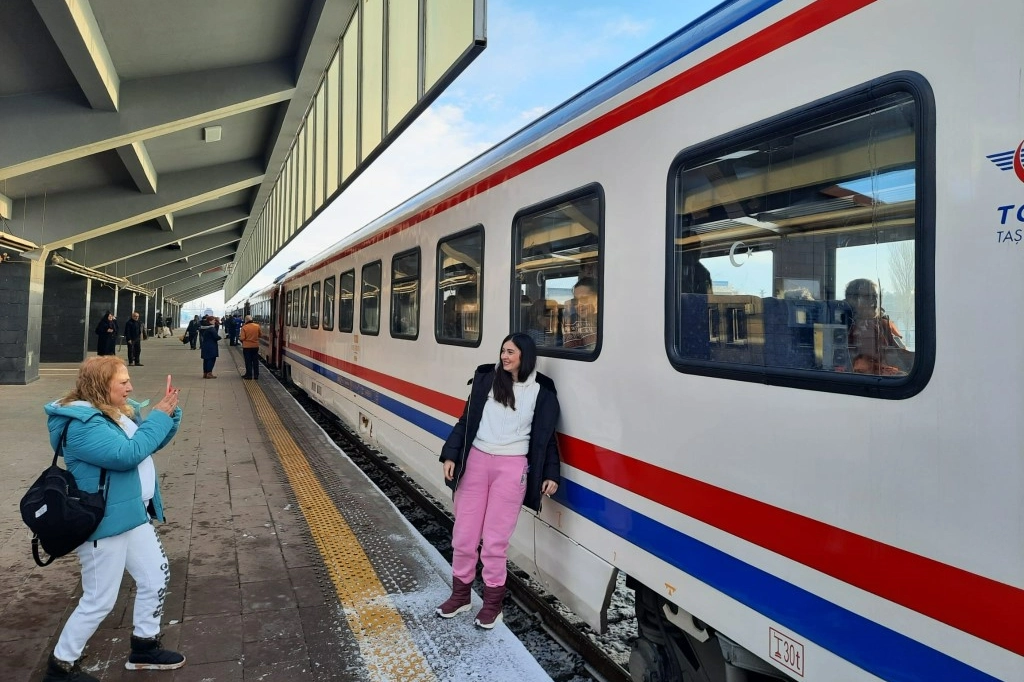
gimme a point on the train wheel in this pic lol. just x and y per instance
(664, 653)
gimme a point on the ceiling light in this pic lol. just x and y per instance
(211, 134)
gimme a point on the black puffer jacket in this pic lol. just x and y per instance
(543, 458)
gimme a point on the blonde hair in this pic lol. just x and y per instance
(93, 386)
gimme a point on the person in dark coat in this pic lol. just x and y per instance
(229, 329)
(236, 329)
(501, 455)
(192, 331)
(209, 335)
(133, 339)
(106, 335)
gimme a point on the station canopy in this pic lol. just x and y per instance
(180, 144)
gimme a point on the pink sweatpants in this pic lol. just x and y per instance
(487, 506)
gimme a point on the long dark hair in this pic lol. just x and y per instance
(502, 385)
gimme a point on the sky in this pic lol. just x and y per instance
(539, 53)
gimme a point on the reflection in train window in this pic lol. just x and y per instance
(328, 319)
(460, 269)
(346, 300)
(304, 310)
(556, 292)
(794, 252)
(369, 300)
(405, 295)
(314, 305)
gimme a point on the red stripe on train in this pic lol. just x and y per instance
(783, 32)
(435, 399)
(980, 606)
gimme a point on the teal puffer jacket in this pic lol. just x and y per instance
(95, 442)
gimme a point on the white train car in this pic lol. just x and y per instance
(798, 478)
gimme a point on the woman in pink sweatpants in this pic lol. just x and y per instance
(501, 455)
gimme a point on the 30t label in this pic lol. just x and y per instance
(786, 651)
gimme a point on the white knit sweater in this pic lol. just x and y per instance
(504, 431)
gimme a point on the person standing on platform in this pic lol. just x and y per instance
(192, 331)
(236, 329)
(133, 339)
(250, 338)
(104, 433)
(229, 329)
(209, 335)
(501, 455)
(106, 333)
(158, 331)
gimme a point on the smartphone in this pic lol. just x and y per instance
(168, 383)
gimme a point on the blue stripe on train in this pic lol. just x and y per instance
(431, 425)
(873, 647)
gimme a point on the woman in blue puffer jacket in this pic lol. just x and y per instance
(105, 432)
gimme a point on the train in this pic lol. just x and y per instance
(769, 265)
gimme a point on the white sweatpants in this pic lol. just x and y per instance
(103, 565)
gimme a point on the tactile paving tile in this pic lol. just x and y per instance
(387, 647)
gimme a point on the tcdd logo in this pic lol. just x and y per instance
(1008, 160)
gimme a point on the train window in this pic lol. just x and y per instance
(288, 309)
(460, 272)
(314, 305)
(405, 295)
(796, 249)
(556, 295)
(346, 300)
(328, 318)
(295, 309)
(369, 299)
(304, 309)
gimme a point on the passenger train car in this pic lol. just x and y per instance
(771, 266)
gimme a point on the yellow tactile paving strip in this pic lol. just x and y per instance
(384, 641)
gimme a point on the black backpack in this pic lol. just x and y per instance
(59, 514)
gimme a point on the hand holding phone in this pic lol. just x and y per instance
(168, 383)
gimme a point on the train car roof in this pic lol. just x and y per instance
(699, 32)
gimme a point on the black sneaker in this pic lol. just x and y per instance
(58, 670)
(148, 655)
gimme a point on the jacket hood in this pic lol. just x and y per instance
(80, 410)
(76, 410)
(60, 415)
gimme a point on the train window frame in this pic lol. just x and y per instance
(314, 305)
(838, 109)
(288, 309)
(439, 298)
(363, 329)
(397, 281)
(304, 306)
(594, 191)
(327, 318)
(342, 327)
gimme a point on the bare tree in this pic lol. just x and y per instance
(901, 267)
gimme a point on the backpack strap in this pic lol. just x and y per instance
(60, 453)
(35, 553)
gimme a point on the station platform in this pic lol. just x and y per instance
(286, 562)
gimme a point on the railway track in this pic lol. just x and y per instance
(586, 660)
